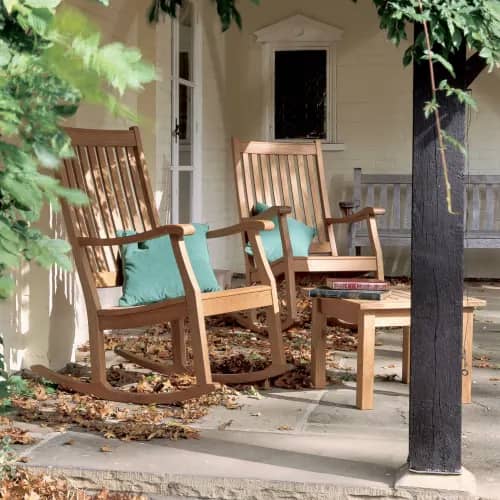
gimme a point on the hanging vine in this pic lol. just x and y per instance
(447, 25)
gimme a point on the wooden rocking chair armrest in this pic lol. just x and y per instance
(178, 230)
(363, 214)
(273, 212)
(244, 226)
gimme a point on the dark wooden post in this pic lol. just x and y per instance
(437, 282)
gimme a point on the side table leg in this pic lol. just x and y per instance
(366, 359)
(406, 355)
(468, 331)
(318, 347)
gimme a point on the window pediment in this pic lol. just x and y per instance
(298, 28)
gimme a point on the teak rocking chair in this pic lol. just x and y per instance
(289, 177)
(109, 167)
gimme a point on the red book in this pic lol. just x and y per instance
(356, 284)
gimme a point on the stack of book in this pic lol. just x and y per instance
(352, 288)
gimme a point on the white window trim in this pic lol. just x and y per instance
(196, 84)
(300, 33)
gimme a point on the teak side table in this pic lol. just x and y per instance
(395, 310)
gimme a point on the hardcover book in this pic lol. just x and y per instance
(348, 294)
(356, 284)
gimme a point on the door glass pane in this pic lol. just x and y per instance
(185, 193)
(185, 129)
(186, 41)
(300, 94)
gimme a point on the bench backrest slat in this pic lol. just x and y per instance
(407, 215)
(476, 208)
(490, 208)
(383, 199)
(396, 207)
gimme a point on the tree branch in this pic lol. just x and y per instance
(473, 67)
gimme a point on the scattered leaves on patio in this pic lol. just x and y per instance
(14, 434)
(285, 428)
(481, 362)
(232, 349)
(25, 485)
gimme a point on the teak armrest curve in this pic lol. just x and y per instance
(244, 225)
(363, 214)
(178, 230)
(272, 212)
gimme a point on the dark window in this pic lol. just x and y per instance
(300, 94)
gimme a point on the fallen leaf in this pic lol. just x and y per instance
(105, 449)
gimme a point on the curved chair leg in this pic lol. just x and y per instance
(278, 362)
(100, 387)
(106, 391)
(223, 378)
(155, 366)
(179, 344)
(291, 300)
(199, 344)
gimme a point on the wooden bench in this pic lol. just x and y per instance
(393, 192)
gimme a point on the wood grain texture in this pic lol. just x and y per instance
(110, 167)
(318, 347)
(365, 361)
(435, 433)
(293, 174)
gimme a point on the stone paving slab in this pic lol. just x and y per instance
(224, 465)
(275, 410)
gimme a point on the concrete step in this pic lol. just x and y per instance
(236, 464)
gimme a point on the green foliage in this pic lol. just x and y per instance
(7, 458)
(49, 64)
(451, 22)
(226, 9)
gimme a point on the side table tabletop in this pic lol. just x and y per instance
(394, 310)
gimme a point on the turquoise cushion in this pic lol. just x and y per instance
(301, 237)
(150, 272)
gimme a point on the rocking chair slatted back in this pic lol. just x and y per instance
(286, 174)
(109, 167)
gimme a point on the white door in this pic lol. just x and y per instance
(185, 163)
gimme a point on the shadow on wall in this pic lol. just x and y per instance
(163, 189)
(40, 324)
(62, 318)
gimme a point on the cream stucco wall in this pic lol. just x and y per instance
(373, 119)
(46, 318)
